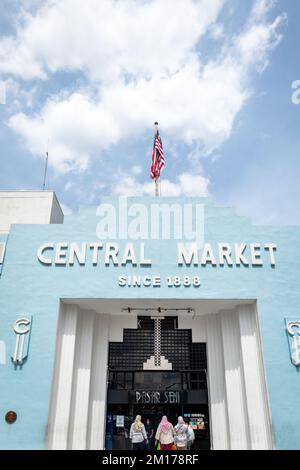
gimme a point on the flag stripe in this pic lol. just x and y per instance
(158, 158)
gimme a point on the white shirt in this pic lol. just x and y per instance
(137, 436)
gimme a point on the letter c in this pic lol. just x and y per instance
(40, 253)
(22, 326)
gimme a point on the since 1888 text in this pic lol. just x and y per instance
(156, 281)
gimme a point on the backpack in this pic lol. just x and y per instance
(181, 436)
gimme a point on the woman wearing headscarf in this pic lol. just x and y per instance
(181, 434)
(190, 436)
(164, 434)
(138, 434)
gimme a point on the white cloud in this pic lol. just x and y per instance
(69, 185)
(17, 96)
(2, 92)
(107, 38)
(136, 170)
(259, 36)
(74, 125)
(187, 184)
(142, 72)
(217, 31)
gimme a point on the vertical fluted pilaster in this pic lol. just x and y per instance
(98, 390)
(62, 399)
(255, 391)
(81, 381)
(217, 392)
(234, 380)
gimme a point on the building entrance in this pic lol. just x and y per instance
(121, 416)
(155, 412)
(180, 390)
(112, 361)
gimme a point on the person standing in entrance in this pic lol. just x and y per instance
(164, 434)
(150, 434)
(138, 434)
(181, 434)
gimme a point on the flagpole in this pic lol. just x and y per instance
(156, 179)
(157, 188)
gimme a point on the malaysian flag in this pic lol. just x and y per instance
(158, 157)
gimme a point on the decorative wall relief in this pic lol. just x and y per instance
(22, 329)
(293, 330)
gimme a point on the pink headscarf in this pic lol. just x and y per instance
(165, 424)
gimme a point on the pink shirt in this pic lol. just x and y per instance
(165, 437)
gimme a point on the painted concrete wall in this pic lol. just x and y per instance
(28, 287)
(28, 207)
(3, 239)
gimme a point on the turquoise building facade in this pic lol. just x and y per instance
(41, 270)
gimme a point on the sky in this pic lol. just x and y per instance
(86, 79)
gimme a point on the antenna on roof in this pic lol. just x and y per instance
(46, 167)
